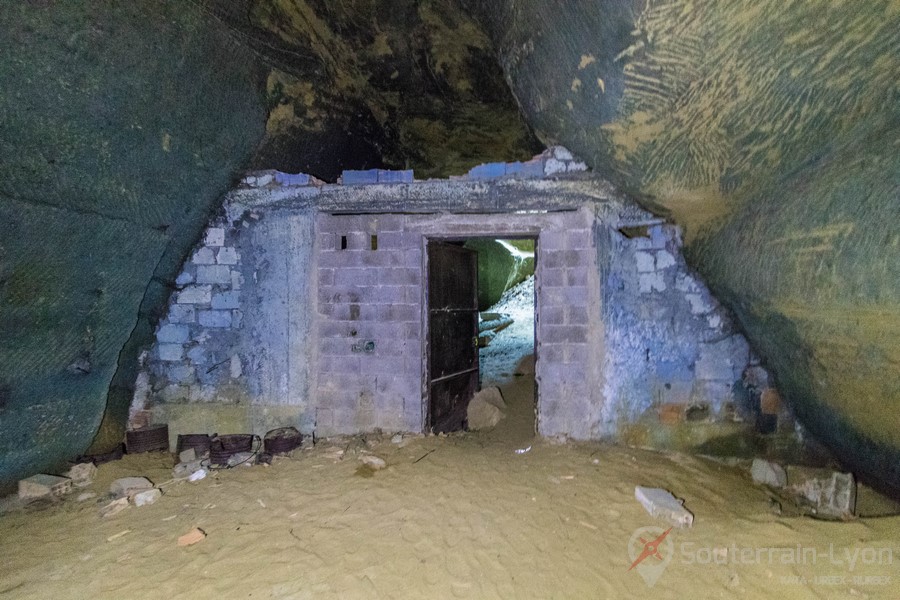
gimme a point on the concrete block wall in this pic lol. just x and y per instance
(371, 314)
(296, 309)
(673, 352)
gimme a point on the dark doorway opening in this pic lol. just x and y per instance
(480, 329)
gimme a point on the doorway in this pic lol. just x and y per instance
(480, 328)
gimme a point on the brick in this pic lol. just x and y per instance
(195, 294)
(217, 319)
(557, 259)
(488, 171)
(651, 282)
(553, 277)
(170, 352)
(182, 313)
(173, 334)
(291, 178)
(226, 300)
(663, 505)
(353, 177)
(664, 260)
(577, 276)
(204, 256)
(644, 262)
(385, 176)
(215, 236)
(564, 334)
(214, 274)
(227, 256)
(399, 312)
(553, 315)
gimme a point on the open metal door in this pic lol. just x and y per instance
(453, 334)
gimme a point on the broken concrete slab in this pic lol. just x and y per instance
(114, 507)
(82, 474)
(128, 486)
(768, 473)
(663, 505)
(44, 486)
(187, 468)
(831, 493)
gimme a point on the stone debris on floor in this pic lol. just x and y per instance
(661, 504)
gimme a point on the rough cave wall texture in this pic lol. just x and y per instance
(769, 131)
(118, 136)
(121, 127)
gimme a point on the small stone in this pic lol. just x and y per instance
(41, 486)
(183, 469)
(663, 505)
(768, 473)
(82, 474)
(192, 537)
(147, 497)
(197, 475)
(186, 456)
(553, 166)
(397, 439)
(85, 496)
(373, 462)
(562, 153)
(114, 507)
(485, 409)
(128, 486)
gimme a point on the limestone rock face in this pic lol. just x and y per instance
(769, 131)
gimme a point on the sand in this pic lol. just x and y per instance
(461, 516)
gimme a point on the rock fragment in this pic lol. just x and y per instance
(663, 505)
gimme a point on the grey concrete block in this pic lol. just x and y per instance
(226, 300)
(195, 294)
(173, 334)
(214, 274)
(204, 256)
(663, 505)
(215, 236)
(563, 334)
(182, 313)
(215, 318)
(170, 352)
(227, 256)
(664, 260)
(645, 262)
(651, 282)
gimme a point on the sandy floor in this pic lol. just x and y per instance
(462, 516)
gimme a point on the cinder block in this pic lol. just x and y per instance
(644, 262)
(204, 256)
(170, 352)
(564, 334)
(488, 171)
(214, 274)
(182, 313)
(228, 256)
(398, 313)
(559, 259)
(173, 334)
(226, 300)
(359, 177)
(291, 178)
(215, 236)
(552, 315)
(195, 294)
(217, 319)
(578, 315)
(385, 176)
(577, 276)
(43, 486)
(553, 277)
(663, 505)
(580, 239)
